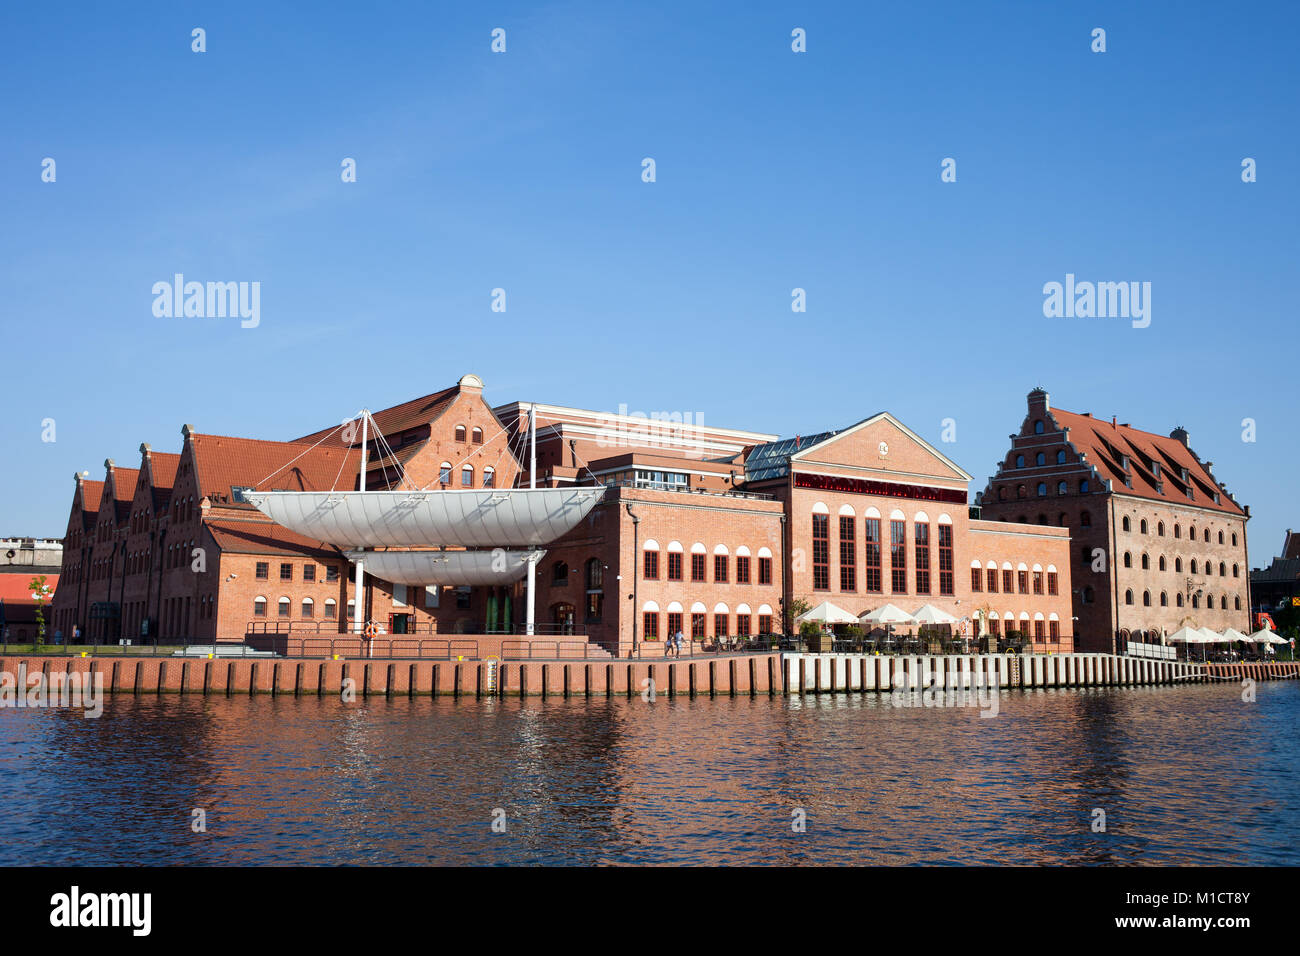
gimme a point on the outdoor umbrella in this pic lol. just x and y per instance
(1265, 636)
(1189, 636)
(887, 614)
(827, 613)
(929, 614)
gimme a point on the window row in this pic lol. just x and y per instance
(309, 574)
(475, 435)
(1062, 488)
(1178, 600)
(467, 475)
(929, 554)
(723, 622)
(1127, 524)
(1207, 568)
(1040, 628)
(284, 608)
(1041, 459)
(1013, 580)
(674, 563)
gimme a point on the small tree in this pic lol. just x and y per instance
(40, 591)
(796, 607)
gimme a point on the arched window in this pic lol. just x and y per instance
(1063, 519)
(1206, 534)
(1042, 489)
(476, 436)
(1085, 519)
(1038, 426)
(1040, 459)
(1146, 598)
(1220, 537)
(1160, 529)
(489, 477)
(1237, 602)
(1021, 491)
(1126, 524)
(331, 609)
(259, 606)
(1234, 539)
(1143, 526)
(308, 607)
(1223, 602)
(1020, 461)
(1060, 457)
(1193, 566)
(1083, 486)
(467, 476)
(1223, 569)
(1062, 488)
(1146, 562)
(1002, 493)
(285, 607)
(1178, 533)
(1191, 533)
(1128, 596)
(1234, 571)
(352, 609)
(1128, 560)
(1162, 562)
(460, 433)
(1164, 599)
(1178, 598)
(1196, 600)
(444, 472)
(1178, 565)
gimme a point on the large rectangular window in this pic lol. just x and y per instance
(848, 554)
(821, 552)
(1038, 582)
(651, 562)
(720, 568)
(674, 565)
(765, 624)
(872, 582)
(1008, 581)
(651, 625)
(697, 567)
(742, 625)
(742, 569)
(720, 624)
(898, 556)
(1022, 579)
(674, 623)
(945, 559)
(1051, 582)
(922, 530)
(1054, 629)
(697, 627)
(764, 570)
(977, 579)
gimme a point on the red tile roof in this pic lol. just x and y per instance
(124, 482)
(223, 462)
(264, 537)
(162, 467)
(91, 492)
(418, 411)
(1156, 463)
(14, 588)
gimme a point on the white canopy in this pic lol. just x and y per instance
(485, 518)
(1264, 635)
(446, 568)
(1213, 637)
(828, 612)
(1187, 635)
(929, 614)
(887, 614)
(1231, 634)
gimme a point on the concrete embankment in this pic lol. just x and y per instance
(738, 675)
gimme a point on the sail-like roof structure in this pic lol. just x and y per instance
(482, 518)
(447, 568)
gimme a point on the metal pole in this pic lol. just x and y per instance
(532, 483)
(358, 595)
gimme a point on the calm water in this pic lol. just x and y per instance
(1185, 775)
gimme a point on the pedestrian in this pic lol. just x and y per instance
(677, 638)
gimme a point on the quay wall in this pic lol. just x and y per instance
(736, 675)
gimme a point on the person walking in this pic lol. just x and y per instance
(677, 639)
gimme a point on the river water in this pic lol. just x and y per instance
(1188, 775)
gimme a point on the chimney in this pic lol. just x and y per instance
(1180, 434)
(1039, 401)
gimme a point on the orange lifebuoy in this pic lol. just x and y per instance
(372, 629)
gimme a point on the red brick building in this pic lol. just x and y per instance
(1158, 542)
(708, 530)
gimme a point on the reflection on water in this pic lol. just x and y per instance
(1185, 775)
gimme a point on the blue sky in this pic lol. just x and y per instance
(522, 171)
